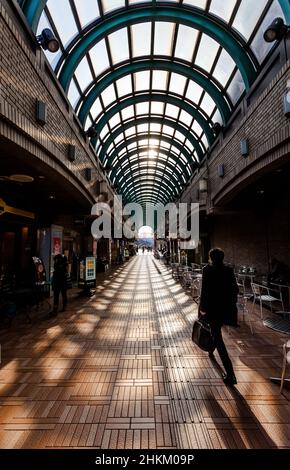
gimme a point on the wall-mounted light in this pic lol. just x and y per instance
(71, 152)
(276, 31)
(203, 186)
(217, 128)
(286, 101)
(245, 148)
(41, 112)
(48, 41)
(221, 170)
(88, 174)
(91, 132)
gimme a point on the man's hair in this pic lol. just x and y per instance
(216, 255)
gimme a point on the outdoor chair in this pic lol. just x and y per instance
(262, 294)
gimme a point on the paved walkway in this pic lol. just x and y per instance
(120, 371)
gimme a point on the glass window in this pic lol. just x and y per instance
(109, 95)
(88, 11)
(83, 74)
(245, 22)
(194, 92)
(109, 5)
(119, 45)
(208, 104)
(127, 113)
(224, 68)
(207, 52)
(172, 111)
(163, 38)
(236, 88)
(142, 81)
(66, 29)
(124, 86)
(260, 47)
(177, 83)
(99, 57)
(73, 94)
(185, 118)
(96, 109)
(223, 9)
(141, 38)
(159, 81)
(196, 3)
(186, 41)
(157, 107)
(142, 108)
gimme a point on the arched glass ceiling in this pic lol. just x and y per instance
(202, 53)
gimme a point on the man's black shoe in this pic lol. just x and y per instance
(229, 379)
(211, 355)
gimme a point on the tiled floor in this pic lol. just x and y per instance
(120, 371)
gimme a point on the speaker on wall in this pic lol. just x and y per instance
(41, 112)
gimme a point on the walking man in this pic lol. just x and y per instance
(59, 282)
(218, 305)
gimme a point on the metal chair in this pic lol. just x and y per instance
(242, 305)
(262, 294)
(186, 279)
(286, 362)
(196, 289)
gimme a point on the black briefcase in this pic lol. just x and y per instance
(202, 336)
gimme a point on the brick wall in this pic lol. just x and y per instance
(24, 78)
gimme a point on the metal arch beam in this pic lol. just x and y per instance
(166, 122)
(157, 97)
(149, 183)
(33, 10)
(168, 187)
(192, 74)
(285, 6)
(135, 175)
(190, 16)
(126, 160)
(139, 137)
(141, 188)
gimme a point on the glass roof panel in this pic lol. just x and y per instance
(236, 88)
(196, 3)
(207, 52)
(109, 95)
(140, 38)
(224, 67)
(88, 11)
(177, 83)
(109, 5)
(84, 74)
(66, 29)
(99, 57)
(159, 81)
(163, 39)
(245, 22)
(124, 86)
(186, 40)
(174, 42)
(208, 104)
(259, 46)
(223, 9)
(119, 45)
(73, 94)
(142, 81)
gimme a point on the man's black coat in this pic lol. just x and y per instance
(219, 295)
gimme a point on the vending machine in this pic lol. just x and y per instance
(87, 274)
